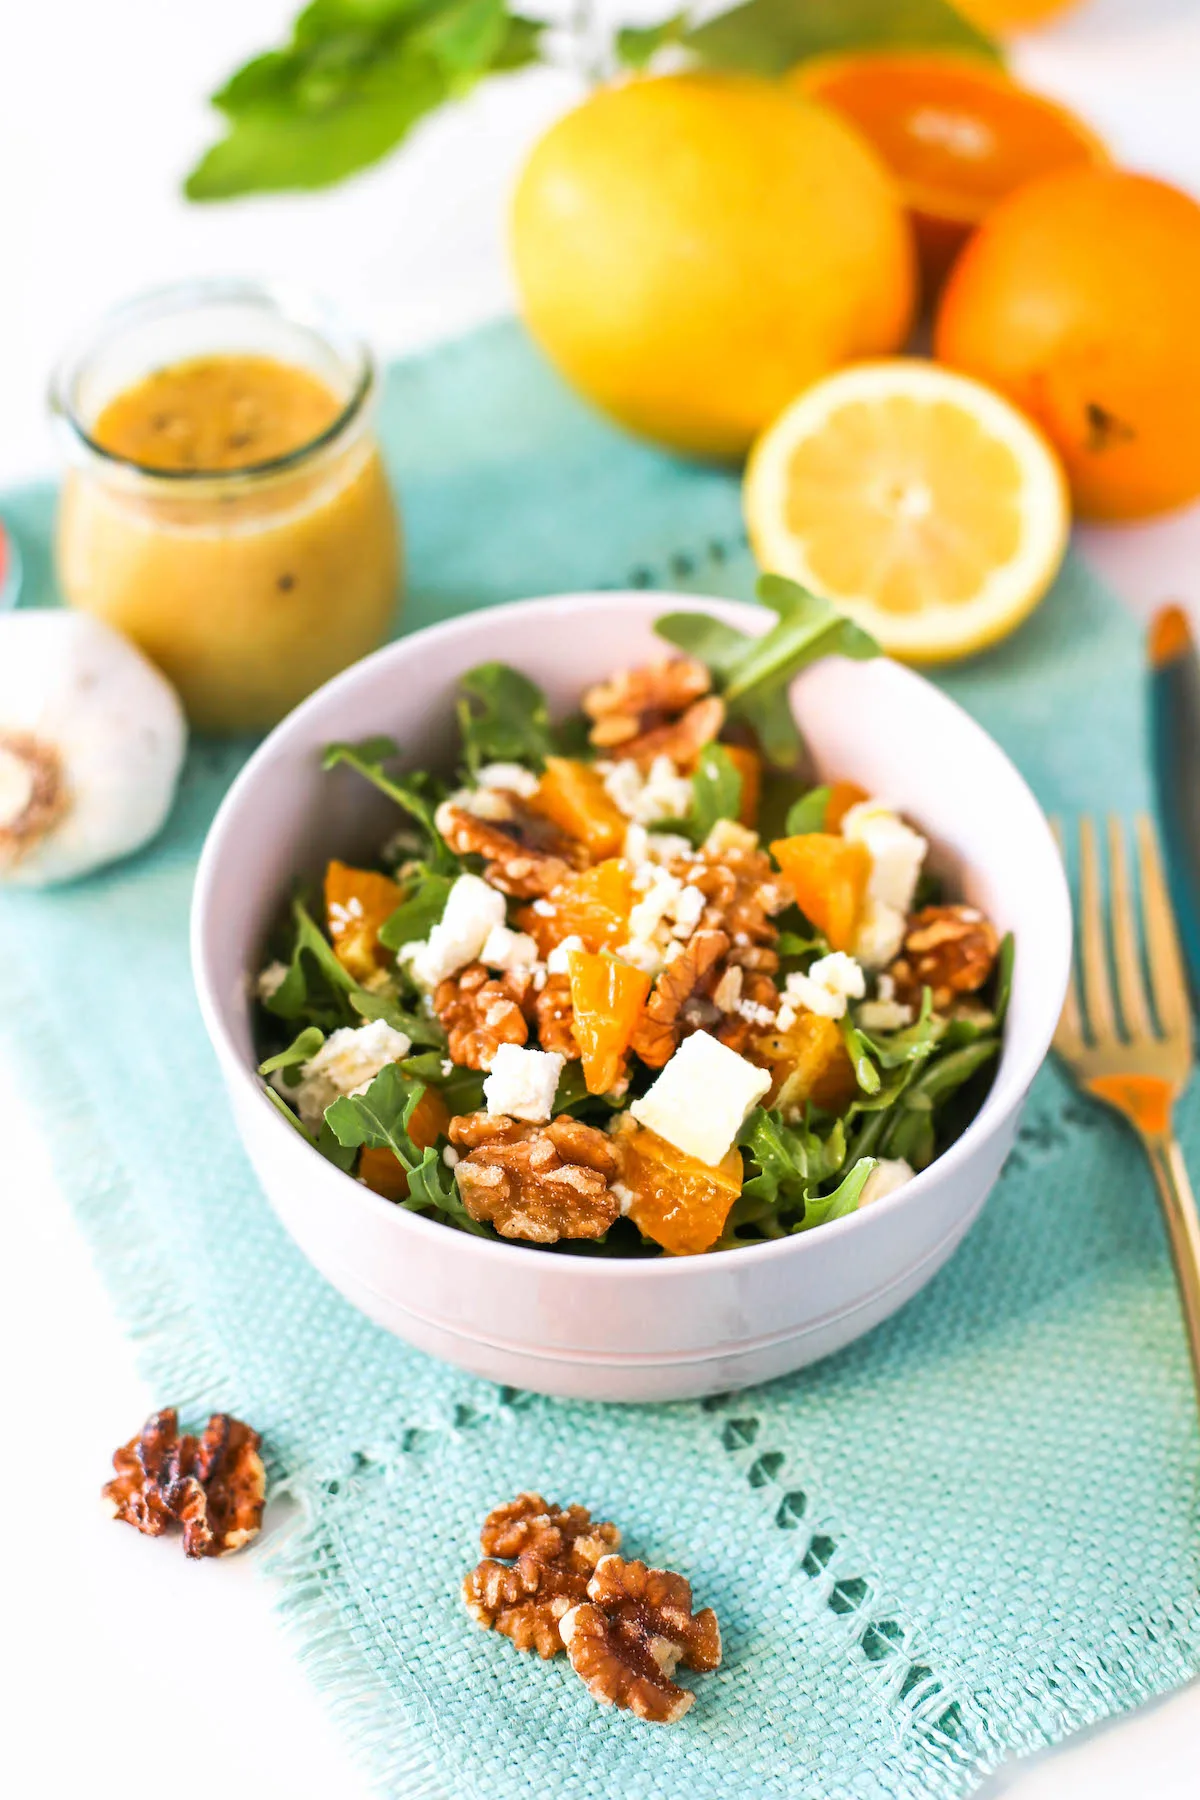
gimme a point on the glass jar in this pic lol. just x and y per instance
(248, 585)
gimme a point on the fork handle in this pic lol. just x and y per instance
(1183, 1231)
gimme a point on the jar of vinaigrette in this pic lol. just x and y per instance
(225, 504)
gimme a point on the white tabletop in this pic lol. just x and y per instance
(129, 1664)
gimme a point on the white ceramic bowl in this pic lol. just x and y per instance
(592, 1327)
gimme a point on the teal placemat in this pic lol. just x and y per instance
(967, 1535)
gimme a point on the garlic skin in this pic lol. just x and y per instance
(91, 743)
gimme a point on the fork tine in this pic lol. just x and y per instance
(1097, 990)
(1167, 979)
(1131, 989)
(1068, 1033)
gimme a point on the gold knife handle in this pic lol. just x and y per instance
(1183, 1231)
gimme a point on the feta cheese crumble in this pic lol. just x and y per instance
(827, 986)
(510, 950)
(522, 782)
(522, 1083)
(701, 1097)
(556, 962)
(884, 1015)
(347, 1063)
(472, 912)
(897, 853)
(888, 1175)
(661, 793)
(270, 980)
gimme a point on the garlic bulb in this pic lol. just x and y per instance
(91, 742)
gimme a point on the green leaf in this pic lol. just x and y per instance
(316, 987)
(419, 911)
(637, 45)
(858, 1049)
(791, 945)
(716, 791)
(417, 1026)
(808, 814)
(379, 1118)
(503, 718)
(301, 1049)
(1002, 978)
(417, 794)
(914, 1043)
(948, 1073)
(355, 79)
(754, 674)
(769, 36)
(461, 1089)
(820, 1209)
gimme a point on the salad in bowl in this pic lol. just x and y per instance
(629, 984)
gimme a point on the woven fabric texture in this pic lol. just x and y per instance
(967, 1535)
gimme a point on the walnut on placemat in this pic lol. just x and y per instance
(212, 1486)
(556, 1551)
(635, 1628)
(537, 1182)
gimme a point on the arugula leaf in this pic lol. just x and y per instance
(417, 1026)
(301, 1049)
(423, 904)
(316, 987)
(461, 1089)
(858, 1049)
(417, 793)
(379, 1118)
(325, 1142)
(503, 717)
(819, 1209)
(808, 814)
(355, 79)
(914, 1042)
(716, 792)
(769, 36)
(1003, 977)
(753, 674)
(790, 945)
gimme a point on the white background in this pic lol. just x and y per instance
(128, 1669)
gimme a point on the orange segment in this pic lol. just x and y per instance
(357, 903)
(574, 798)
(681, 1203)
(594, 905)
(607, 997)
(807, 1062)
(829, 875)
(918, 501)
(956, 132)
(748, 764)
(842, 796)
(379, 1168)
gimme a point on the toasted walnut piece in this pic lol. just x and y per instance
(681, 739)
(481, 1012)
(662, 1023)
(551, 1533)
(636, 1628)
(756, 1008)
(537, 1182)
(214, 1486)
(950, 949)
(665, 688)
(556, 1017)
(524, 1602)
(525, 856)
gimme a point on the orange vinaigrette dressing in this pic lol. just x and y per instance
(215, 413)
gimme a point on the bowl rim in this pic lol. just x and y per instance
(1018, 1064)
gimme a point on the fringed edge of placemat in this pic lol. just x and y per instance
(177, 1356)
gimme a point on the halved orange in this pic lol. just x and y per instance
(956, 132)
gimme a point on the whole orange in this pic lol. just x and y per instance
(1079, 298)
(1012, 15)
(692, 250)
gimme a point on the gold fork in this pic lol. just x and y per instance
(1136, 1063)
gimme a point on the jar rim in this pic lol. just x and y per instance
(290, 303)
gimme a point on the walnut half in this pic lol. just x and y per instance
(213, 1486)
(556, 1551)
(951, 949)
(537, 1182)
(626, 1641)
(661, 709)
